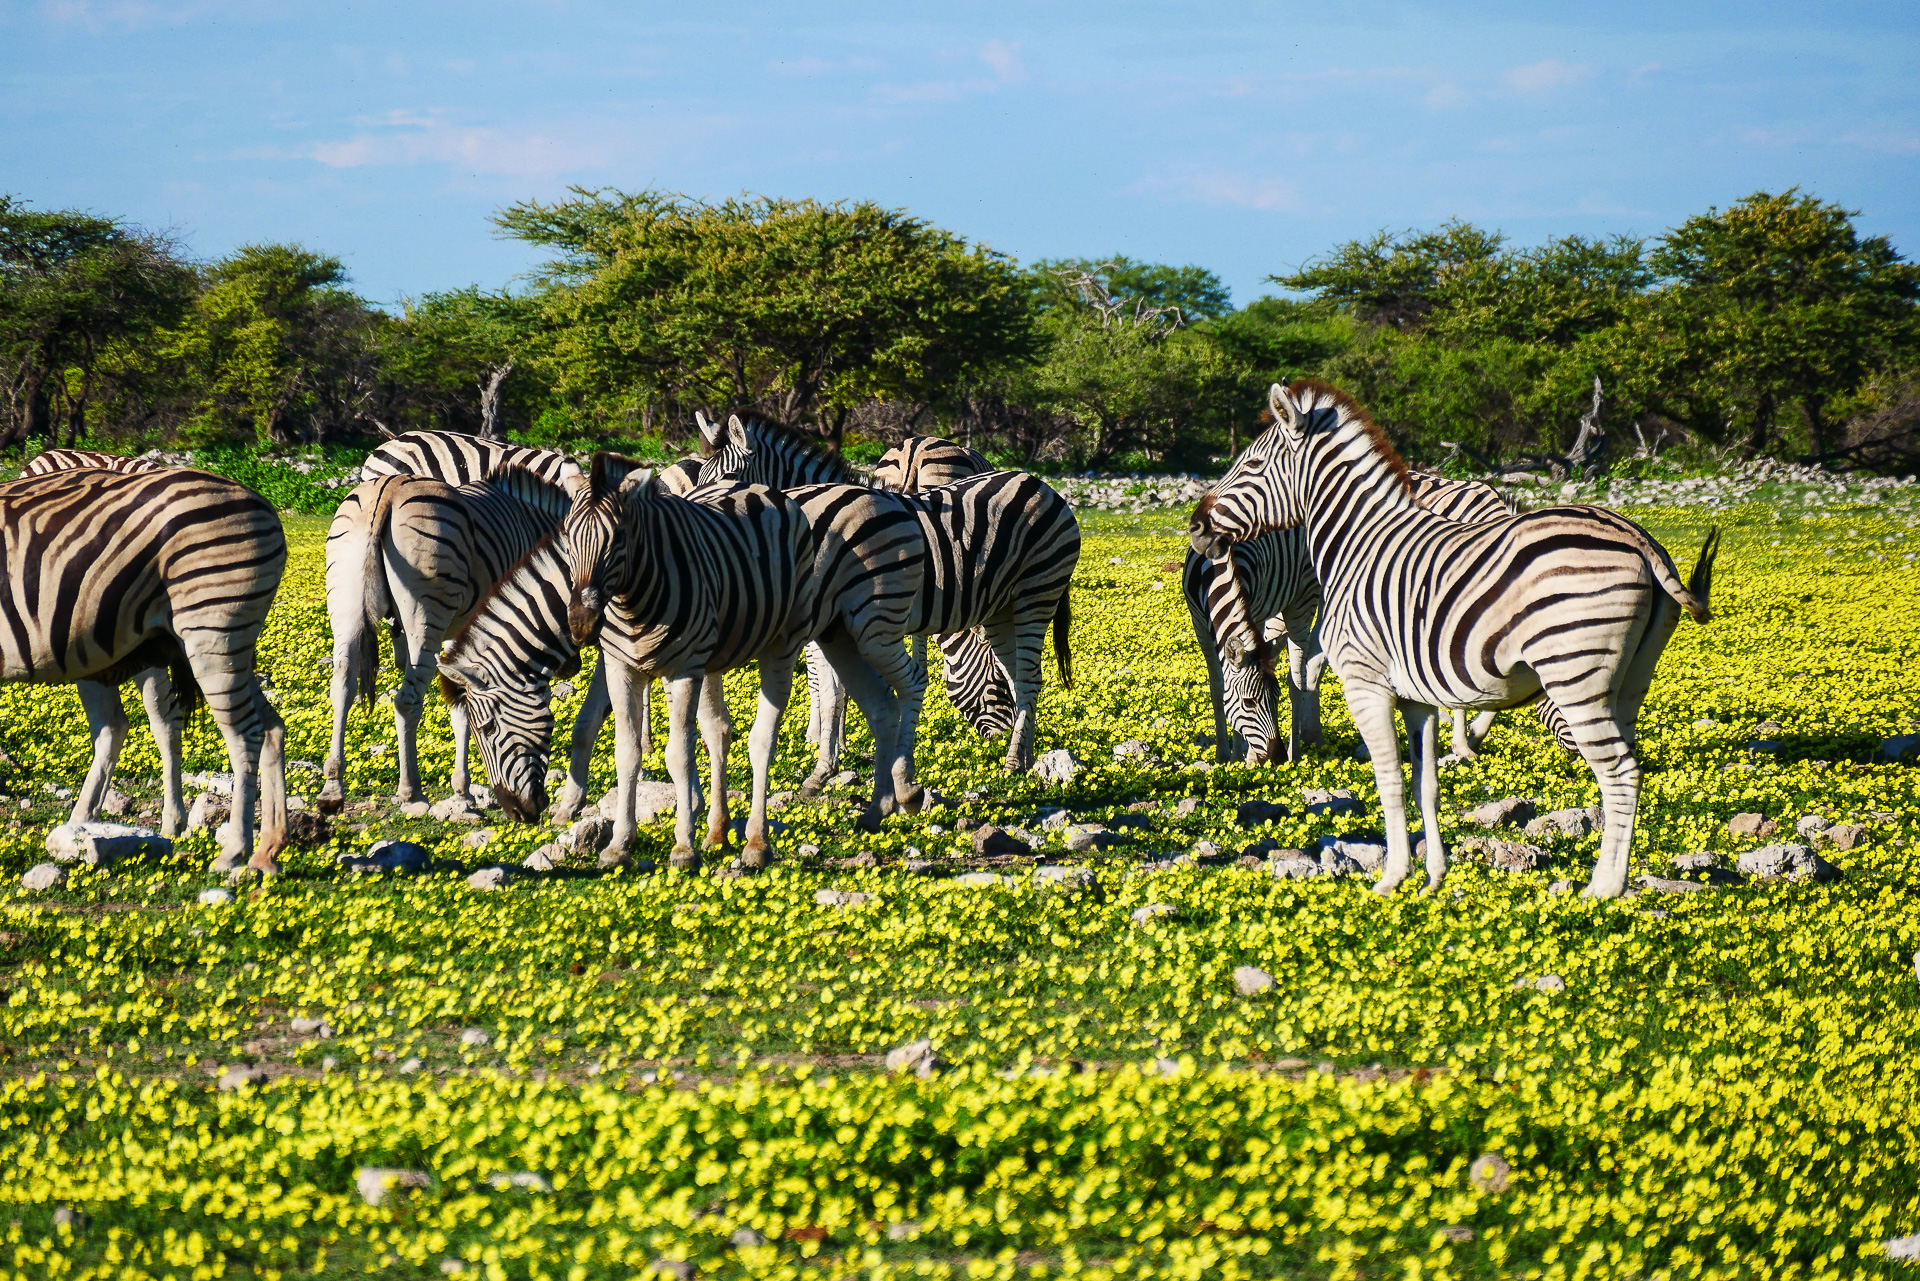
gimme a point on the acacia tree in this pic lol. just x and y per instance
(800, 307)
(454, 353)
(72, 284)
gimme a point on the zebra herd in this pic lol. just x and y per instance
(493, 565)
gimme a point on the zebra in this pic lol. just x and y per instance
(109, 573)
(51, 460)
(421, 552)
(165, 716)
(1575, 602)
(687, 589)
(460, 459)
(764, 453)
(1269, 581)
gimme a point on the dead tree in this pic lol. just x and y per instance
(490, 401)
(1581, 460)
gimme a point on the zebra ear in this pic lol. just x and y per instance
(709, 432)
(1287, 414)
(463, 674)
(640, 478)
(737, 435)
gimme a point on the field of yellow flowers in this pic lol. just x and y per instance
(580, 1077)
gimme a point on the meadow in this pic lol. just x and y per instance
(597, 1076)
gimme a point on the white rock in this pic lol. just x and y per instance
(1075, 877)
(527, 1179)
(1489, 1172)
(476, 1036)
(312, 1027)
(215, 897)
(104, 844)
(375, 1183)
(42, 876)
(482, 796)
(1057, 767)
(1141, 915)
(455, 809)
(477, 840)
(1905, 1249)
(1251, 979)
(981, 878)
(488, 878)
(1795, 862)
(916, 1057)
(222, 784)
(409, 1066)
(239, 1078)
(839, 898)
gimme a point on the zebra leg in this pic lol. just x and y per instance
(1016, 644)
(646, 728)
(716, 731)
(1223, 745)
(776, 687)
(828, 698)
(1618, 773)
(1372, 706)
(462, 736)
(1423, 745)
(108, 721)
(622, 694)
(876, 701)
(246, 722)
(1463, 747)
(167, 719)
(683, 698)
(586, 731)
(1304, 638)
(273, 787)
(1297, 701)
(908, 681)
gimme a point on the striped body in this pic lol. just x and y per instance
(1423, 612)
(419, 553)
(927, 462)
(108, 574)
(51, 460)
(686, 589)
(460, 459)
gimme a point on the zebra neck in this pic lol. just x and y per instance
(1352, 488)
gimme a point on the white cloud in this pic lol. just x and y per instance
(407, 138)
(1004, 58)
(1540, 77)
(1216, 187)
(1444, 96)
(97, 16)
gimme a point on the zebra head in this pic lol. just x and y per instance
(1252, 696)
(1264, 489)
(590, 537)
(733, 457)
(513, 719)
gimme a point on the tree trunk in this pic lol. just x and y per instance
(490, 401)
(1762, 427)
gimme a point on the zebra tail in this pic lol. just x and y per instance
(1700, 584)
(1692, 596)
(1062, 624)
(1556, 722)
(186, 690)
(376, 601)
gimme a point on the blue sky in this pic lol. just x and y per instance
(1243, 137)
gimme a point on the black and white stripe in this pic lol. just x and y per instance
(927, 462)
(108, 574)
(686, 589)
(419, 553)
(51, 460)
(460, 459)
(1423, 612)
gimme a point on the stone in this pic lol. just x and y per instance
(1794, 862)
(307, 829)
(545, 859)
(1758, 826)
(992, 840)
(1904, 1249)
(1544, 983)
(400, 856)
(1574, 822)
(1335, 803)
(1137, 751)
(475, 1037)
(114, 804)
(1055, 819)
(919, 866)
(1057, 768)
(239, 1078)
(652, 797)
(312, 1027)
(501, 1180)
(1490, 1172)
(1249, 980)
(416, 809)
(374, 1183)
(1660, 885)
(1363, 849)
(1074, 878)
(678, 1269)
(1089, 836)
(865, 859)
(1253, 813)
(1187, 805)
(902, 1231)
(1203, 851)
(916, 1057)
(1293, 866)
(746, 1239)
(489, 878)
(215, 897)
(563, 689)
(1456, 1235)
(452, 1267)
(409, 1066)
(1500, 813)
(42, 876)
(455, 809)
(1137, 821)
(1512, 856)
(589, 835)
(218, 784)
(1811, 825)
(1141, 915)
(482, 797)
(845, 778)
(1899, 747)
(477, 840)
(1845, 836)
(982, 878)
(104, 844)
(840, 898)
(1563, 887)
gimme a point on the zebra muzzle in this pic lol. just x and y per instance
(583, 614)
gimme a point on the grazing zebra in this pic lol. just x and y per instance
(1423, 612)
(762, 453)
(1267, 589)
(108, 574)
(460, 459)
(165, 716)
(687, 589)
(420, 553)
(48, 460)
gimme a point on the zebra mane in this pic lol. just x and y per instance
(457, 644)
(1314, 394)
(535, 491)
(766, 430)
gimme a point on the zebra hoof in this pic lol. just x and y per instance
(227, 862)
(812, 787)
(756, 858)
(610, 859)
(684, 860)
(332, 798)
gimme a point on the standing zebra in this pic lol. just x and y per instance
(1266, 588)
(687, 589)
(1423, 612)
(757, 452)
(460, 459)
(421, 553)
(110, 573)
(165, 716)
